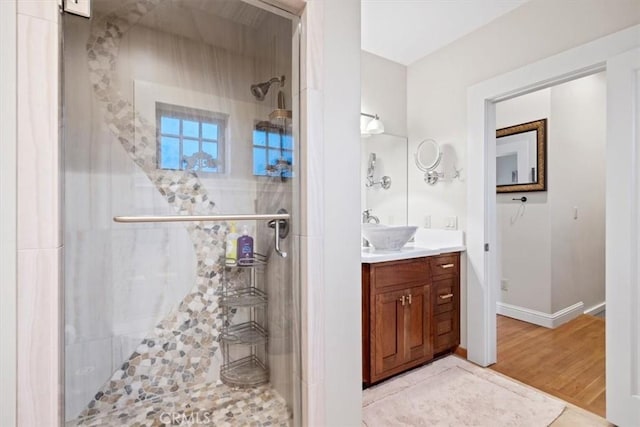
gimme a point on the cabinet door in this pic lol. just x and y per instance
(418, 324)
(389, 331)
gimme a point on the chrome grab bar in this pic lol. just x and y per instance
(279, 222)
(200, 218)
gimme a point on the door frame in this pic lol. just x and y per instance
(623, 225)
(482, 266)
(8, 213)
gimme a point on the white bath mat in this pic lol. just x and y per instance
(453, 392)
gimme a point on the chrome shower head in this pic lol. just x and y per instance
(259, 90)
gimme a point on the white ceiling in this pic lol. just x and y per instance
(407, 30)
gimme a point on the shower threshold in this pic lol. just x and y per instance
(207, 404)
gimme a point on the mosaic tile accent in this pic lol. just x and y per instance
(208, 404)
(178, 354)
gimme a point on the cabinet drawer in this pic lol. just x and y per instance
(446, 331)
(444, 295)
(397, 273)
(445, 265)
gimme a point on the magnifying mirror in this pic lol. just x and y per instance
(428, 155)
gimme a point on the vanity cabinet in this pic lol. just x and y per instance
(410, 312)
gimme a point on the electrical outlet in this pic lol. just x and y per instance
(504, 285)
(427, 221)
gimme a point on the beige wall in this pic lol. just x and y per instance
(577, 173)
(525, 238)
(437, 84)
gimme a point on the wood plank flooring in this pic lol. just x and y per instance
(567, 362)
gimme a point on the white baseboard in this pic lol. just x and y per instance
(596, 309)
(539, 318)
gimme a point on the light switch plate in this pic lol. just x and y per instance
(78, 7)
(451, 223)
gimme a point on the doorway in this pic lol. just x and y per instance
(551, 240)
(618, 54)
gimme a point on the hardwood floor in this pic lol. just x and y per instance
(567, 362)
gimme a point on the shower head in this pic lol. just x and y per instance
(259, 90)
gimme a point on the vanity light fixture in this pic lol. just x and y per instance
(374, 127)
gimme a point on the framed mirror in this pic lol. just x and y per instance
(521, 157)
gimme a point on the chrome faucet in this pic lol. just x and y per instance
(366, 219)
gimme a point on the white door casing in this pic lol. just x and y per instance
(623, 239)
(482, 267)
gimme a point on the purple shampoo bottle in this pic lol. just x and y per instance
(245, 247)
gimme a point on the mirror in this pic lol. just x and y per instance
(428, 155)
(521, 157)
(383, 166)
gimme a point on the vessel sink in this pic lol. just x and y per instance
(388, 237)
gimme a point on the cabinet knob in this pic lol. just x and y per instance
(409, 299)
(402, 299)
(446, 296)
(447, 265)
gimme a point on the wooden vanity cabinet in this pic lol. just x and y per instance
(407, 317)
(445, 276)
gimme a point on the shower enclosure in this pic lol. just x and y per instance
(179, 123)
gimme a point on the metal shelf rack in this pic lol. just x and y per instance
(244, 336)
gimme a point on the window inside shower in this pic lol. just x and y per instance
(190, 139)
(167, 106)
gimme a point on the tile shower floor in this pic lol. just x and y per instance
(208, 405)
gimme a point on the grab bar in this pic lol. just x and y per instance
(200, 218)
(279, 222)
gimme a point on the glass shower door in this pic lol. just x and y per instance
(176, 108)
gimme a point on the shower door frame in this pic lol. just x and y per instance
(39, 287)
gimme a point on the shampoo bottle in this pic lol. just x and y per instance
(231, 249)
(245, 247)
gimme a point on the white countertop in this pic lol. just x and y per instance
(371, 255)
(428, 242)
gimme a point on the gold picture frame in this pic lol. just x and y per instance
(538, 179)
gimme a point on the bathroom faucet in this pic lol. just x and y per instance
(367, 218)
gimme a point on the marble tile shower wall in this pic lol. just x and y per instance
(155, 328)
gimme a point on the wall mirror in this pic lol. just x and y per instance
(521, 157)
(384, 178)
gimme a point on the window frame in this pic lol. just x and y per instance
(183, 113)
(261, 126)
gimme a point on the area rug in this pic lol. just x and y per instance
(454, 392)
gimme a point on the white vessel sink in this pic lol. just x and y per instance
(388, 237)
